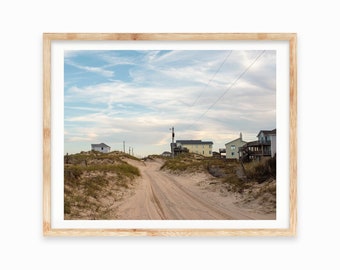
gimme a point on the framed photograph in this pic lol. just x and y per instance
(169, 134)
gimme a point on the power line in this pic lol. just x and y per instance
(210, 80)
(228, 89)
(206, 86)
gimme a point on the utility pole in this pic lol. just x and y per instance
(132, 150)
(173, 142)
(124, 146)
(129, 150)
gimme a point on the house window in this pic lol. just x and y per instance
(209, 152)
(232, 153)
(102, 148)
(233, 147)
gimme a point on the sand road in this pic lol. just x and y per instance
(163, 196)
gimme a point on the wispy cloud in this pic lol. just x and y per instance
(98, 70)
(155, 90)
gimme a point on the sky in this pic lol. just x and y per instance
(137, 96)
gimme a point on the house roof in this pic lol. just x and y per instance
(193, 142)
(236, 140)
(267, 132)
(99, 145)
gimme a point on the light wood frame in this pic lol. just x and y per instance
(49, 37)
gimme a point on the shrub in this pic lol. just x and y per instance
(261, 171)
(235, 184)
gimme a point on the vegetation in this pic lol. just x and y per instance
(178, 165)
(94, 181)
(188, 162)
(261, 171)
(254, 181)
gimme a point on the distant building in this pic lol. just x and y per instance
(268, 136)
(101, 147)
(265, 146)
(232, 148)
(216, 154)
(178, 149)
(222, 152)
(203, 148)
(166, 154)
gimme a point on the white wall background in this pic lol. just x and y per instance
(22, 244)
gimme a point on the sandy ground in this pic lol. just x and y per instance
(161, 195)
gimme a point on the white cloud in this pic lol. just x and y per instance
(115, 60)
(163, 93)
(99, 70)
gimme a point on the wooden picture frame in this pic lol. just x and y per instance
(288, 39)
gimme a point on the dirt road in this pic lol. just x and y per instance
(160, 195)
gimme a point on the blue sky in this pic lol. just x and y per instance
(137, 96)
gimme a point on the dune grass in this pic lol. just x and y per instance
(93, 182)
